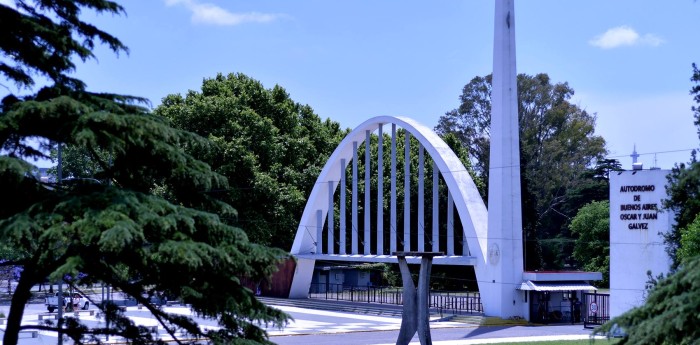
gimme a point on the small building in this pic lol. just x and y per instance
(555, 297)
(332, 278)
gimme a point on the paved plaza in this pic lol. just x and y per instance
(312, 326)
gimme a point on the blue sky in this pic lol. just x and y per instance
(628, 61)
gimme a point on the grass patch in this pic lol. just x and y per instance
(574, 342)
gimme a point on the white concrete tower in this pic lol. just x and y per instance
(505, 234)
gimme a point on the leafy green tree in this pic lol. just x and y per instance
(269, 147)
(557, 143)
(122, 233)
(78, 163)
(669, 316)
(683, 191)
(690, 241)
(592, 226)
(683, 186)
(594, 185)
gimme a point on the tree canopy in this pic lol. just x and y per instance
(683, 186)
(269, 147)
(147, 228)
(555, 136)
(592, 248)
(47, 35)
(690, 241)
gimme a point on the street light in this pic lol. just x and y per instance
(60, 283)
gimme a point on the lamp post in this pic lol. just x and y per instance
(60, 300)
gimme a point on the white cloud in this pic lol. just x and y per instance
(624, 36)
(206, 13)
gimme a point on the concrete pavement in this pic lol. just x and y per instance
(311, 326)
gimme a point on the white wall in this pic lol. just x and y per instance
(636, 244)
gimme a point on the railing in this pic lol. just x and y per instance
(449, 302)
(545, 313)
(443, 302)
(596, 309)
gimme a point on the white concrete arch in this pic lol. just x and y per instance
(469, 204)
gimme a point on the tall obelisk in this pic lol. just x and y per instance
(505, 234)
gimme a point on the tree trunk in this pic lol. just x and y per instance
(19, 301)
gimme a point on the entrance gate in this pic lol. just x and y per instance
(595, 309)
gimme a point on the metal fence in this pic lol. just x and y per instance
(597, 309)
(444, 302)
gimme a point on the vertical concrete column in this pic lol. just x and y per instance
(416, 304)
(331, 218)
(380, 192)
(392, 187)
(421, 199)
(354, 227)
(436, 208)
(423, 300)
(319, 232)
(407, 193)
(303, 274)
(367, 239)
(450, 224)
(505, 232)
(342, 246)
(409, 320)
(465, 244)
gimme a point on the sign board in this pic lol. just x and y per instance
(638, 222)
(593, 307)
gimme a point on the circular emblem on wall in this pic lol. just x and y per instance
(494, 254)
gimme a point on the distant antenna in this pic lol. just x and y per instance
(656, 164)
(635, 155)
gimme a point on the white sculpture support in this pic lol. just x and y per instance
(407, 193)
(467, 201)
(319, 231)
(367, 238)
(331, 221)
(342, 228)
(436, 208)
(505, 235)
(355, 229)
(421, 200)
(450, 225)
(392, 206)
(380, 190)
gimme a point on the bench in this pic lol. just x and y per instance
(54, 316)
(48, 316)
(89, 312)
